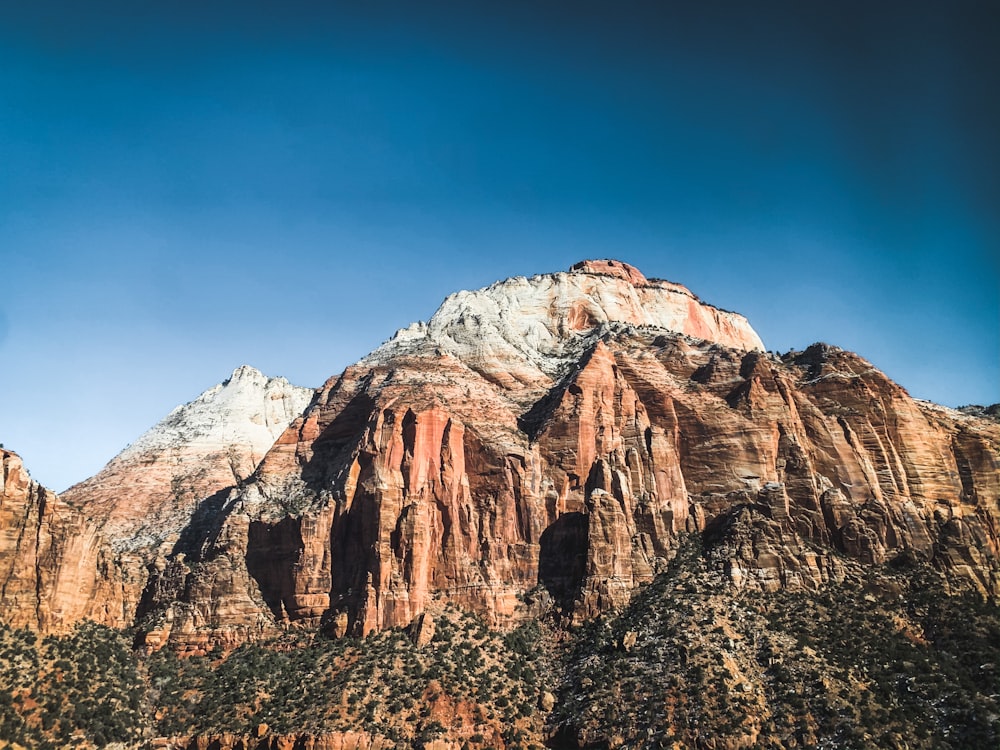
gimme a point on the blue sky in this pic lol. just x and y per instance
(188, 189)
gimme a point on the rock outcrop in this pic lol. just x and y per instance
(543, 442)
(55, 568)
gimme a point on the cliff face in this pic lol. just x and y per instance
(85, 554)
(542, 442)
(55, 568)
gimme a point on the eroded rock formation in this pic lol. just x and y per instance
(542, 442)
(539, 444)
(55, 568)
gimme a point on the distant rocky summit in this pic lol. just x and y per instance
(538, 451)
(86, 553)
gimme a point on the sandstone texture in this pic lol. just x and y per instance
(542, 443)
(55, 569)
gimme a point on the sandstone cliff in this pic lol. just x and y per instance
(55, 568)
(540, 444)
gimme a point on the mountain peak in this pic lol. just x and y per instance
(248, 402)
(198, 448)
(610, 267)
(528, 330)
(246, 372)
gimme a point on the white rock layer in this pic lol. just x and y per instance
(248, 409)
(530, 328)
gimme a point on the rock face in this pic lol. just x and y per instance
(91, 546)
(543, 442)
(55, 569)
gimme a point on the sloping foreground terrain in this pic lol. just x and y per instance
(882, 659)
(582, 509)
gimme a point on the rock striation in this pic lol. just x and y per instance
(55, 568)
(542, 444)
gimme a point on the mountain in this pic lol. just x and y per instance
(90, 547)
(542, 444)
(146, 493)
(580, 509)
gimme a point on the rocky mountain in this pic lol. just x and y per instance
(145, 494)
(90, 547)
(542, 443)
(581, 509)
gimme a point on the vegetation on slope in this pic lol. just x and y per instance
(80, 690)
(468, 684)
(881, 660)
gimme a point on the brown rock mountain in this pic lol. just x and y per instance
(85, 554)
(541, 443)
(538, 445)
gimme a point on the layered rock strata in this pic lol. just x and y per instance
(55, 568)
(542, 442)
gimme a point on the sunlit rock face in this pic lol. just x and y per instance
(55, 568)
(526, 331)
(541, 443)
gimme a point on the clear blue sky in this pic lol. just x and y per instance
(183, 190)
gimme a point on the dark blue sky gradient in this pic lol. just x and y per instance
(183, 190)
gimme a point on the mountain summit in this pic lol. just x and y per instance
(531, 329)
